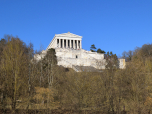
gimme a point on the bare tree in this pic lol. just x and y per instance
(14, 63)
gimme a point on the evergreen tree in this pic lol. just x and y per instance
(93, 48)
(100, 51)
(51, 55)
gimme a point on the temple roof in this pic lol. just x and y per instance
(68, 34)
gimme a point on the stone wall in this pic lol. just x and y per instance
(69, 57)
(71, 53)
(68, 62)
(122, 63)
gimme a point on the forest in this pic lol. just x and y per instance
(42, 87)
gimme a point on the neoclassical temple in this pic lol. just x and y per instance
(69, 52)
(66, 40)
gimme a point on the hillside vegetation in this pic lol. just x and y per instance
(32, 86)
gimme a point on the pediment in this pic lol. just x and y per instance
(71, 35)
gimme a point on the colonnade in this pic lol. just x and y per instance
(68, 43)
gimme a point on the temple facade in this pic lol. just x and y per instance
(69, 52)
(66, 40)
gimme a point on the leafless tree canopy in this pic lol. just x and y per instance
(28, 85)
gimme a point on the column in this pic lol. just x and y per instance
(63, 43)
(66, 43)
(74, 44)
(80, 45)
(77, 44)
(59, 43)
(70, 43)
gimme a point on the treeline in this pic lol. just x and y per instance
(27, 84)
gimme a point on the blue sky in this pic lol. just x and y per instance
(112, 25)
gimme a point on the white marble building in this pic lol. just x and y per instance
(66, 40)
(70, 54)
